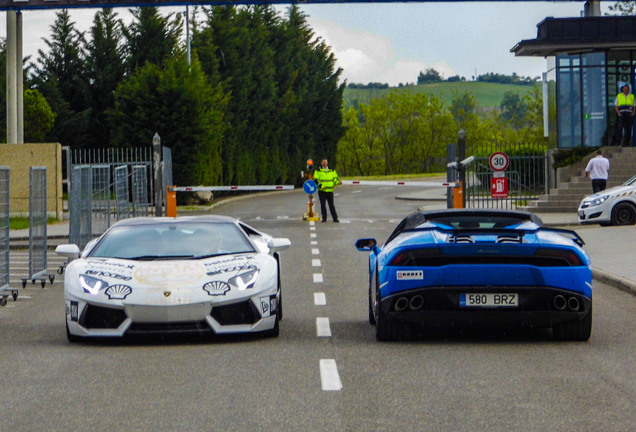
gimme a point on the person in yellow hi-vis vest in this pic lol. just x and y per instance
(326, 179)
(624, 106)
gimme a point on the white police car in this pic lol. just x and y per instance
(614, 206)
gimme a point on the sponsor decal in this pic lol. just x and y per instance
(229, 265)
(118, 292)
(169, 273)
(216, 288)
(111, 275)
(410, 275)
(265, 306)
(166, 293)
(74, 311)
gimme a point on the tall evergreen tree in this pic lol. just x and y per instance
(105, 70)
(60, 76)
(177, 102)
(151, 37)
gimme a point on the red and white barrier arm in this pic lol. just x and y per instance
(229, 188)
(399, 183)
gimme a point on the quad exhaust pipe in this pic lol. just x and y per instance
(415, 303)
(561, 303)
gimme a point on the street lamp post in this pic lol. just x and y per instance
(156, 149)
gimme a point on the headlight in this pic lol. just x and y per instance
(598, 201)
(92, 285)
(244, 280)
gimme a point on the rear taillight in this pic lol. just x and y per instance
(415, 257)
(565, 256)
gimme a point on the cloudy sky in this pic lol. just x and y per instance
(392, 42)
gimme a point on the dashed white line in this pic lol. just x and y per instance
(315, 263)
(318, 278)
(329, 376)
(312, 235)
(314, 243)
(322, 327)
(315, 251)
(312, 223)
(320, 299)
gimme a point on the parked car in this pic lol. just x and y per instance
(613, 206)
(174, 275)
(454, 268)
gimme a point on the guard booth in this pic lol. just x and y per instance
(588, 60)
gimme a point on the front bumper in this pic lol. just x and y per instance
(594, 215)
(246, 315)
(440, 307)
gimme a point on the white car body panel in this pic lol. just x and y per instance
(598, 208)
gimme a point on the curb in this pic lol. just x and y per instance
(618, 282)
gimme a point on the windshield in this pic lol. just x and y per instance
(172, 241)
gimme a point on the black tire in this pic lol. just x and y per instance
(383, 326)
(275, 331)
(71, 337)
(577, 331)
(624, 214)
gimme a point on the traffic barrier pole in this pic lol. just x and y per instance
(458, 196)
(310, 216)
(171, 201)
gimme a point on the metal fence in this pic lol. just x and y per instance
(38, 247)
(4, 231)
(526, 181)
(526, 173)
(108, 185)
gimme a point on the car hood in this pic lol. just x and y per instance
(166, 274)
(611, 191)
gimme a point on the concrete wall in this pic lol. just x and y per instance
(19, 158)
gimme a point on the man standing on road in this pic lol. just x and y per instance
(624, 106)
(326, 179)
(597, 169)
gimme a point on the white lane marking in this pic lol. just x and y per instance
(315, 251)
(356, 191)
(282, 217)
(315, 263)
(320, 299)
(322, 327)
(313, 228)
(312, 223)
(317, 277)
(329, 376)
(314, 243)
(312, 235)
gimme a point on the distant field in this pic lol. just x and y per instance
(488, 95)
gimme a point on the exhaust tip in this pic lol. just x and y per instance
(416, 302)
(401, 304)
(573, 303)
(559, 302)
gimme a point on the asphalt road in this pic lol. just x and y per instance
(495, 381)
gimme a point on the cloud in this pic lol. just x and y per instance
(367, 57)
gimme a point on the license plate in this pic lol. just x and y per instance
(581, 214)
(488, 300)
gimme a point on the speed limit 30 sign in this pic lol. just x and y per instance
(498, 161)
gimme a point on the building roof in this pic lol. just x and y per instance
(586, 34)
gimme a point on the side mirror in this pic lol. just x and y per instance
(278, 244)
(366, 245)
(70, 251)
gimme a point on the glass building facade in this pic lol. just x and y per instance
(581, 92)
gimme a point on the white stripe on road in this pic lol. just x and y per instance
(329, 376)
(312, 235)
(314, 243)
(322, 327)
(313, 228)
(315, 263)
(320, 299)
(318, 278)
(315, 251)
(312, 223)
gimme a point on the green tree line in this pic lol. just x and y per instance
(406, 132)
(261, 93)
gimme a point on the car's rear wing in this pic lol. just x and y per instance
(504, 233)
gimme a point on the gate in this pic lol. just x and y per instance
(526, 173)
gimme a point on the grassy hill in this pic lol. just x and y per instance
(488, 95)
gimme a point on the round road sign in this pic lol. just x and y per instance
(498, 161)
(310, 187)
